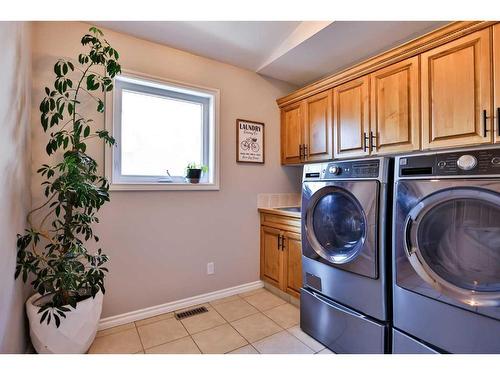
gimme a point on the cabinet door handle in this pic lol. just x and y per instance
(498, 121)
(485, 129)
(279, 241)
(300, 152)
(306, 155)
(282, 243)
(365, 138)
(372, 139)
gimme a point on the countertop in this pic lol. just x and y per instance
(278, 211)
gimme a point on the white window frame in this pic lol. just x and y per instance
(210, 96)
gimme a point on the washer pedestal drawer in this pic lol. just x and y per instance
(339, 328)
(404, 344)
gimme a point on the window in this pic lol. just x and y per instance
(160, 128)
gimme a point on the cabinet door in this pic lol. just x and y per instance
(496, 81)
(318, 127)
(395, 112)
(456, 84)
(293, 264)
(291, 133)
(271, 256)
(351, 118)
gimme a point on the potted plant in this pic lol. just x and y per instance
(67, 276)
(193, 172)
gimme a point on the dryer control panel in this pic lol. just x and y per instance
(480, 162)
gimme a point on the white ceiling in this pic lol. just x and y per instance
(292, 51)
(340, 45)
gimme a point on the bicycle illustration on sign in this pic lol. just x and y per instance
(250, 144)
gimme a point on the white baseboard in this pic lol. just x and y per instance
(148, 312)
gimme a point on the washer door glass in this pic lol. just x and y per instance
(338, 225)
(456, 240)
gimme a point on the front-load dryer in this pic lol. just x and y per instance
(346, 270)
(446, 291)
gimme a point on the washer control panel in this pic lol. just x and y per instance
(454, 163)
(353, 169)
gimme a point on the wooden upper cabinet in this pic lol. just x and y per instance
(496, 80)
(291, 133)
(395, 112)
(271, 256)
(293, 263)
(351, 118)
(318, 127)
(456, 84)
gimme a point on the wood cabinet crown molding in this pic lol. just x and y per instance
(433, 39)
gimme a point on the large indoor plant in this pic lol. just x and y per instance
(67, 276)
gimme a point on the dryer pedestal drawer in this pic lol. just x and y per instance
(404, 344)
(339, 328)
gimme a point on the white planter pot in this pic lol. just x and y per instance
(75, 333)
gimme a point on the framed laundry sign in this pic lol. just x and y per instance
(249, 141)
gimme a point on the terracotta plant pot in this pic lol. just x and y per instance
(76, 332)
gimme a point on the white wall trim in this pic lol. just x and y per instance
(149, 312)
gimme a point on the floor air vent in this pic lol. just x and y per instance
(192, 312)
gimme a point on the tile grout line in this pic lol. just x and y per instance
(191, 336)
(226, 322)
(244, 339)
(255, 349)
(230, 325)
(262, 338)
(140, 339)
(281, 304)
(276, 321)
(315, 352)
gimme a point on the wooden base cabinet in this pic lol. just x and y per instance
(271, 256)
(281, 253)
(292, 275)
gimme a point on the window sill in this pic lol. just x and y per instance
(167, 186)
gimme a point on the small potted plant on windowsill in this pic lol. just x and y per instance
(194, 171)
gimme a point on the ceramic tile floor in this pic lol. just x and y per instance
(249, 323)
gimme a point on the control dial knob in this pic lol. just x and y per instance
(334, 169)
(466, 162)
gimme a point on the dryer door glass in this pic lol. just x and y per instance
(338, 225)
(454, 238)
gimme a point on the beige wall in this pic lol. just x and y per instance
(160, 241)
(15, 70)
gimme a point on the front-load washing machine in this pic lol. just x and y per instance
(446, 224)
(345, 265)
